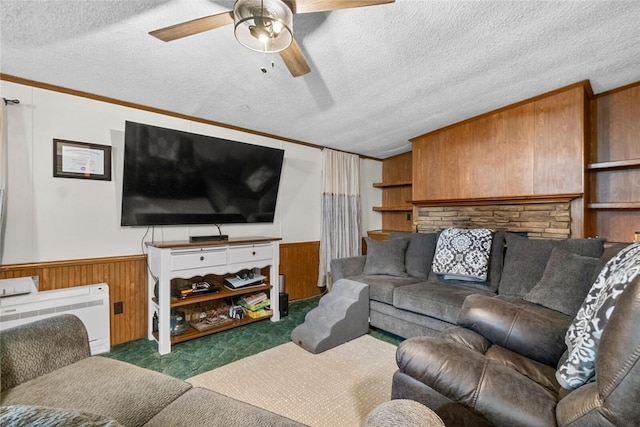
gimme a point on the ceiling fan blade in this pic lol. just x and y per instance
(195, 26)
(307, 6)
(294, 60)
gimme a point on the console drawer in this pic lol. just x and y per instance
(198, 259)
(242, 254)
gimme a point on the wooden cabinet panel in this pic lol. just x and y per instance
(618, 125)
(299, 264)
(532, 148)
(559, 143)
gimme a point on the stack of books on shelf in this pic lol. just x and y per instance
(256, 305)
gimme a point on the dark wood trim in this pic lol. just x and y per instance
(506, 200)
(82, 94)
(7, 268)
(618, 89)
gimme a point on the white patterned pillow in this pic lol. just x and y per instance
(463, 254)
(583, 336)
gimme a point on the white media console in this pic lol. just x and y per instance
(189, 260)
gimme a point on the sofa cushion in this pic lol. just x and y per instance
(202, 407)
(495, 383)
(463, 254)
(96, 385)
(29, 415)
(386, 257)
(565, 282)
(583, 336)
(381, 287)
(526, 260)
(434, 299)
(419, 255)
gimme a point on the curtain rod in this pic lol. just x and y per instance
(11, 101)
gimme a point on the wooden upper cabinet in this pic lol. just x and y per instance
(532, 148)
(559, 143)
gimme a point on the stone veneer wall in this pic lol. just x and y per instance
(545, 220)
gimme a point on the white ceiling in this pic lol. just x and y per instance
(380, 75)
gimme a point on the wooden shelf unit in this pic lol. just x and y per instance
(224, 293)
(187, 260)
(614, 169)
(397, 192)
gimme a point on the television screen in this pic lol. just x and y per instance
(172, 177)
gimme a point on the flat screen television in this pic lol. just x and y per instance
(172, 177)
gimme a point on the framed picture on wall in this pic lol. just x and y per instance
(83, 160)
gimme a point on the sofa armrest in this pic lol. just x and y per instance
(342, 268)
(515, 328)
(34, 349)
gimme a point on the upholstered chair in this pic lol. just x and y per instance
(501, 361)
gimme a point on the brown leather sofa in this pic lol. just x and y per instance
(499, 366)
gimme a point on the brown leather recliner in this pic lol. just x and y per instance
(500, 364)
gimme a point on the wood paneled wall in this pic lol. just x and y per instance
(532, 148)
(127, 280)
(125, 275)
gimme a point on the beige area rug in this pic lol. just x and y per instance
(338, 387)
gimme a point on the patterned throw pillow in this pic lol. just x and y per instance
(583, 336)
(463, 254)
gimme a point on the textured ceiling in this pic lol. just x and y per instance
(380, 75)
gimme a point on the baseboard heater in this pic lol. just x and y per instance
(90, 303)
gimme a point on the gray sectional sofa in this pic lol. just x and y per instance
(407, 299)
(49, 378)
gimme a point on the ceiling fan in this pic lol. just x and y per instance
(264, 26)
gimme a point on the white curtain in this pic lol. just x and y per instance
(3, 173)
(340, 210)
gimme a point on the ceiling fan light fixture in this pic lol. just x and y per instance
(263, 25)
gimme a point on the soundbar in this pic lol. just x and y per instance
(215, 238)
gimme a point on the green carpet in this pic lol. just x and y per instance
(203, 354)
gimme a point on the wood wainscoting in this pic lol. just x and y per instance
(125, 275)
(127, 280)
(299, 263)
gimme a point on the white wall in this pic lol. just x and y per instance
(52, 219)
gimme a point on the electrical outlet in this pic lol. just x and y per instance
(408, 217)
(118, 307)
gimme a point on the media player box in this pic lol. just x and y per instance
(284, 304)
